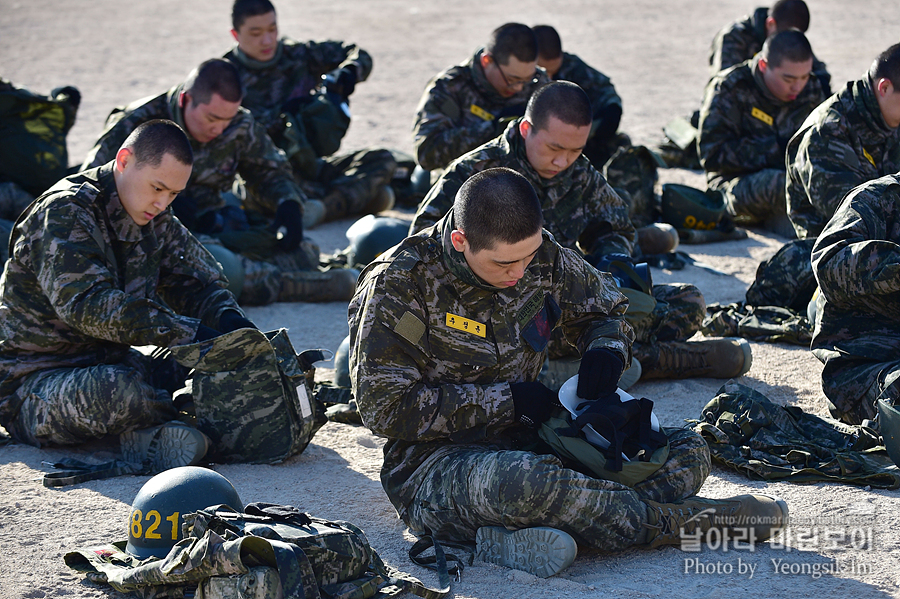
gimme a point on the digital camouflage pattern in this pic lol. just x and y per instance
(786, 279)
(33, 129)
(856, 261)
(762, 440)
(743, 39)
(84, 284)
(226, 555)
(13, 200)
(242, 149)
(242, 403)
(433, 353)
(580, 209)
(293, 73)
(843, 143)
(583, 213)
(489, 485)
(278, 91)
(460, 110)
(744, 130)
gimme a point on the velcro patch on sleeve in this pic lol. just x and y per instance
(410, 328)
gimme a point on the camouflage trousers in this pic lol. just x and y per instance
(755, 198)
(348, 183)
(262, 278)
(477, 486)
(67, 406)
(679, 313)
(852, 386)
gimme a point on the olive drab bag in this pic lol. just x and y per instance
(748, 433)
(267, 552)
(252, 394)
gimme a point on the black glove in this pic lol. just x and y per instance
(609, 118)
(290, 217)
(533, 402)
(231, 320)
(599, 373)
(342, 81)
(204, 333)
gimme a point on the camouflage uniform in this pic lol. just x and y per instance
(583, 213)
(460, 110)
(857, 332)
(83, 286)
(243, 149)
(843, 143)
(744, 130)
(441, 395)
(603, 141)
(743, 39)
(346, 182)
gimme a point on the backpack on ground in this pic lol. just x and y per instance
(267, 552)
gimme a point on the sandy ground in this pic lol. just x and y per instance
(656, 53)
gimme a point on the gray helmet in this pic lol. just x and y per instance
(889, 425)
(686, 207)
(159, 507)
(372, 235)
(342, 364)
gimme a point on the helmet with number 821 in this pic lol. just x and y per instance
(158, 509)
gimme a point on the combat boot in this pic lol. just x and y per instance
(715, 358)
(541, 551)
(336, 285)
(658, 238)
(165, 446)
(749, 517)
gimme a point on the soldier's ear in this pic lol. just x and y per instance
(123, 158)
(458, 239)
(234, 34)
(763, 65)
(884, 87)
(485, 60)
(525, 128)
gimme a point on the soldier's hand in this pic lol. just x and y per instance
(599, 373)
(289, 220)
(533, 402)
(232, 320)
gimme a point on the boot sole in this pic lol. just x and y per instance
(631, 375)
(168, 446)
(541, 551)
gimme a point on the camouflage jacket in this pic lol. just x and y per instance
(843, 143)
(84, 283)
(294, 71)
(856, 260)
(243, 148)
(742, 39)
(743, 127)
(434, 349)
(596, 85)
(458, 110)
(580, 209)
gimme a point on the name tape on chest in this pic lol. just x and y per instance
(466, 325)
(869, 157)
(759, 114)
(481, 112)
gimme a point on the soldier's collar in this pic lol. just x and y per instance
(252, 63)
(865, 100)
